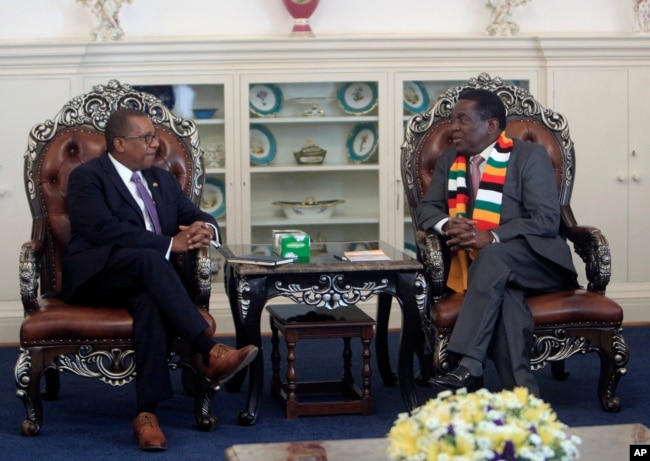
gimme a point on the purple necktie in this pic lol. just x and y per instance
(148, 202)
(476, 172)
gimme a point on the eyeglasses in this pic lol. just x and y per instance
(148, 138)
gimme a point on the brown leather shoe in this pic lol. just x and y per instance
(226, 361)
(148, 433)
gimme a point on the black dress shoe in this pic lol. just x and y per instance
(457, 378)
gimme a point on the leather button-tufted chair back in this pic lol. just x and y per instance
(56, 159)
(434, 140)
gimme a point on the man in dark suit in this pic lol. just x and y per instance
(119, 254)
(510, 227)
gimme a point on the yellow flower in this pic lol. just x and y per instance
(404, 437)
(522, 394)
(481, 426)
(465, 444)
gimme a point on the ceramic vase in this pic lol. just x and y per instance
(301, 11)
(641, 15)
(501, 23)
(107, 13)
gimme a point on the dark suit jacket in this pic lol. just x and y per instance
(530, 207)
(103, 215)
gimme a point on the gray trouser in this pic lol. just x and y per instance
(495, 317)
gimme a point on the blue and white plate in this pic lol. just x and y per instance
(357, 97)
(362, 142)
(213, 200)
(265, 99)
(358, 246)
(262, 145)
(416, 98)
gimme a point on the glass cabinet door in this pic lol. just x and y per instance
(314, 156)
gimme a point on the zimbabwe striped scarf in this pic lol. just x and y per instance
(487, 206)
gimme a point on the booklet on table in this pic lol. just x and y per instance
(260, 260)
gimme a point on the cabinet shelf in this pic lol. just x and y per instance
(209, 121)
(340, 220)
(289, 168)
(294, 120)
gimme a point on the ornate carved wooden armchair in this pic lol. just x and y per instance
(90, 341)
(567, 322)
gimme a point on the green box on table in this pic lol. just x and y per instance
(291, 243)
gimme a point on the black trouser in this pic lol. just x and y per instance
(148, 285)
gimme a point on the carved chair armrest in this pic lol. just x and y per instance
(431, 252)
(195, 269)
(593, 248)
(29, 268)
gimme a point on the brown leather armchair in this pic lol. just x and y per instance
(566, 323)
(90, 341)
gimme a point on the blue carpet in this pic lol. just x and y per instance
(92, 420)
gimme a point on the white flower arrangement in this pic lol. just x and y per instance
(482, 426)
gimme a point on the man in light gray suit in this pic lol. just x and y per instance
(510, 226)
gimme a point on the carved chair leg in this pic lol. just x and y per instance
(196, 385)
(205, 419)
(203, 392)
(27, 373)
(443, 360)
(614, 355)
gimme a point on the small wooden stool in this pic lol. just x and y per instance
(297, 321)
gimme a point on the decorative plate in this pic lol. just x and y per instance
(265, 99)
(358, 246)
(416, 99)
(357, 97)
(262, 145)
(362, 142)
(213, 200)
